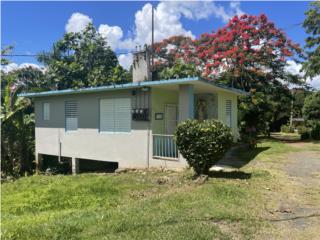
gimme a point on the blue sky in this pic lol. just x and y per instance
(34, 26)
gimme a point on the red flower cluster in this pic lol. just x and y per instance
(247, 42)
(250, 42)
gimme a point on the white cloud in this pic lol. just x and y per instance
(77, 22)
(13, 66)
(235, 6)
(295, 68)
(167, 23)
(125, 60)
(9, 67)
(112, 34)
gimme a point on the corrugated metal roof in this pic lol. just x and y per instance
(129, 86)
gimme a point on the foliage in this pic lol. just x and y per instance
(312, 26)
(304, 132)
(249, 49)
(4, 51)
(299, 95)
(203, 143)
(315, 131)
(179, 70)
(17, 120)
(167, 52)
(254, 112)
(287, 129)
(311, 108)
(82, 59)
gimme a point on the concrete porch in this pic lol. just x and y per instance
(171, 104)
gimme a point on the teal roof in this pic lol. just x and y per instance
(131, 85)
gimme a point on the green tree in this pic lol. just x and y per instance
(17, 120)
(179, 70)
(82, 59)
(311, 108)
(299, 95)
(312, 26)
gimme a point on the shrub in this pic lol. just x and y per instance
(203, 143)
(315, 131)
(287, 129)
(304, 132)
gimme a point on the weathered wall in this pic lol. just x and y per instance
(129, 149)
(141, 67)
(159, 99)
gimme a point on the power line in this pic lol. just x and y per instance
(36, 55)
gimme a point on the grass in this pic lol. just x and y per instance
(136, 206)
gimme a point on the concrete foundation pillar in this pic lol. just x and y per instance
(39, 161)
(75, 165)
(186, 102)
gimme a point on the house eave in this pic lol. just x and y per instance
(132, 85)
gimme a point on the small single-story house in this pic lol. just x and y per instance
(131, 124)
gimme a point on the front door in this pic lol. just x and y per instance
(171, 118)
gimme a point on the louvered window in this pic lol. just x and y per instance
(71, 114)
(115, 115)
(46, 111)
(228, 113)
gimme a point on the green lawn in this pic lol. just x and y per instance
(136, 206)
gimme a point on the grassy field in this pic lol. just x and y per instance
(141, 205)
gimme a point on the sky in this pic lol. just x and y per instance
(32, 27)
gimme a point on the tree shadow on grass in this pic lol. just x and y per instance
(240, 156)
(246, 156)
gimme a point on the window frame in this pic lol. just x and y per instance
(65, 116)
(44, 116)
(114, 119)
(230, 116)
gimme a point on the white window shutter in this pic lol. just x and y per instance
(71, 113)
(106, 115)
(122, 114)
(228, 113)
(115, 115)
(46, 111)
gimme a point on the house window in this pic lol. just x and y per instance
(71, 115)
(115, 115)
(46, 111)
(228, 113)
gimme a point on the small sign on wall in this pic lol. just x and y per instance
(158, 116)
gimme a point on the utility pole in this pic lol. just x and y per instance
(152, 41)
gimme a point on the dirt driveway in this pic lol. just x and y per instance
(293, 206)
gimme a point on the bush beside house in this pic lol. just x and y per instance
(287, 129)
(203, 143)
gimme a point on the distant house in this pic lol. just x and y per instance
(131, 124)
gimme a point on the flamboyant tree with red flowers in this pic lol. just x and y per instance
(249, 53)
(246, 51)
(168, 51)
